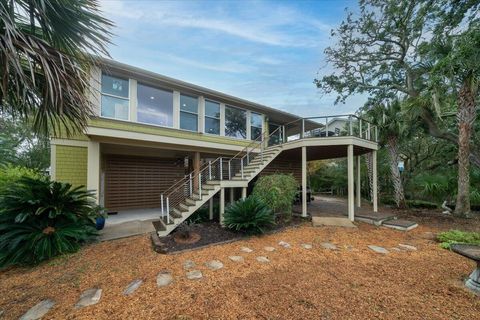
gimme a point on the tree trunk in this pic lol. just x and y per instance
(465, 116)
(369, 162)
(399, 194)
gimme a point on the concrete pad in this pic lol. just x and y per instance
(89, 297)
(375, 218)
(263, 259)
(37, 311)
(214, 265)
(378, 249)
(329, 246)
(125, 229)
(236, 258)
(332, 221)
(400, 224)
(407, 247)
(132, 287)
(269, 249)
(164, 278)
(246, 249)
(194, 275)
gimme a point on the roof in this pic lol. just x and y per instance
(274, 115)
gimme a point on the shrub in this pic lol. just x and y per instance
(455, 236)
(10, 174)
(41, 219)
(277, 191)
(250, 215)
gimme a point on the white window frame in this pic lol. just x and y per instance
(210, 117)
(180, 112)
(262, 125)
(115, 96)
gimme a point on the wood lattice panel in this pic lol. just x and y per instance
(137, 182)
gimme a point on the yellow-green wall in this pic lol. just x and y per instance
(71, 164)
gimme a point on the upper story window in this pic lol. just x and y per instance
(115, 97)
(212, 117)
(188, 113)
(256, 124)
(155, 106)
(235, 122)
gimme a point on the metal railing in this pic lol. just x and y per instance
(224, 168)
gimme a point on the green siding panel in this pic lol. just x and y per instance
(71, 165)
(167, 132)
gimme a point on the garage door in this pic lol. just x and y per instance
(137, 182)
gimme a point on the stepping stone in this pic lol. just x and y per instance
(189, 264)
(269, 249)
(378, 249)
(284, 244)
(37, 311)
(134, 285)
(246, 249)
(194, 275)
(328, 245)
(400, 224)
(214, 264)
(236, 258)
(396, 249)
(263, 259)
(89, 297)
(306, 246)
(407, 247)
(164, 278)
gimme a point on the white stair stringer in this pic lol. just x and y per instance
(212, 187)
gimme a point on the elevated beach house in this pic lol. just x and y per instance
(158, 148)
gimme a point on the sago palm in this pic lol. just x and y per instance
(46, 48)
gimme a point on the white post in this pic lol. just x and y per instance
(221, 169)
(93, 168)
(350, 125)
(303, 129)
(232, 195)
(351, 192)
(304, 181)
(375, 181)
(210, 208)
(241, 166)
(360, 128)
(222, 205)
(168, 211)
(200, 185)
(244, 193)
(161, 205)
(229, 170)
(359, 187)
(209, 170)
(190, 183)
(326, 127)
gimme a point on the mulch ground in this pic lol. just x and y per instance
(297, 284)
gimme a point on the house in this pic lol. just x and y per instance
(159, 148)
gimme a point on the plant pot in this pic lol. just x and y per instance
(100, 223)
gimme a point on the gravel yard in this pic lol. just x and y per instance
(351, 282)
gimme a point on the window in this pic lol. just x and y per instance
(155, 106)
(235, 122)
(188, 113)
(212, 117)
(256, 123)
(115, 99)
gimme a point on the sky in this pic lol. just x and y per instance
(267, 52)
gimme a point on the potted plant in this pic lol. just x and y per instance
(100, 216)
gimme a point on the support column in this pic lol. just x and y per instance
(375, 181)
(196, 168)
(210, 208)
(93, 168)
(359, 186)
(232, 195)
(304, 181)
(351, 192)
(222, 205)
(244, 193)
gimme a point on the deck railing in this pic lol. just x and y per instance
(224, 168)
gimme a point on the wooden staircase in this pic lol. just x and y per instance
(196, 196)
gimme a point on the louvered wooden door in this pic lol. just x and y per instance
(137, 182)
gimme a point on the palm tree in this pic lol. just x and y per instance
(46, 49)
(391, 128)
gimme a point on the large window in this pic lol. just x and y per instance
(256, 124)
(188, 113)
(235, 122)
(212, 117)
(154, 106)
(115, 98)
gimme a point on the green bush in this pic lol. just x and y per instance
(41, 219)
(277, 191)
(10, 174)
(250, 215)
(455, 236)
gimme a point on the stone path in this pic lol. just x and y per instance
(89, 297)
(194, 275)
(38, 311)
(378, 249)
(164, 278)
(132, 287)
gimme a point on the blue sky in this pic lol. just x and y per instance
(264, 51)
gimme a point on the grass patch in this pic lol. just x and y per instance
(455, 236)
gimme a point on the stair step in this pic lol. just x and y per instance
(191, 201)
(209, 186)
(212, 182)
(176, 213)
(185, 206)
(164, 221)
(159, 225)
